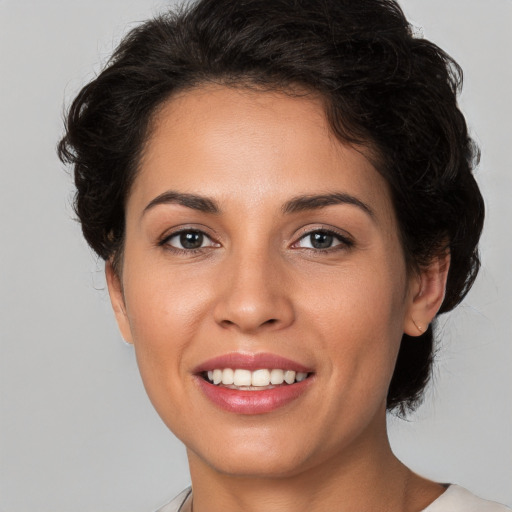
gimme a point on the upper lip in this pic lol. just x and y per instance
(250, 361)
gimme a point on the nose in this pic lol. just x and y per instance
(254, 295)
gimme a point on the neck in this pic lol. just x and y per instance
(362, 478)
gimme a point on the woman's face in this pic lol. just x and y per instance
(257, 241)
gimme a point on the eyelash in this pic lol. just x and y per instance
(344, 241)
(177, 250)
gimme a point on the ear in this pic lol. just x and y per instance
(115, 290)
(427, 294)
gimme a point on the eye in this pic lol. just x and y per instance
(189, 240)
(322, 239)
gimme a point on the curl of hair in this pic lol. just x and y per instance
(382, 88)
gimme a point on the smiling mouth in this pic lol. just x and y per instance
(257, 380)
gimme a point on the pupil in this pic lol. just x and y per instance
(191, 240)
(321, 240)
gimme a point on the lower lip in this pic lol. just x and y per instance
(253, 402)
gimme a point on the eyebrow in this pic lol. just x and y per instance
(193, 201)
(314, 202)
(297, 204)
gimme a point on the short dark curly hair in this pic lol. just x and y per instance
(381, 87)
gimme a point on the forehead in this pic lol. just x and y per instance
(251, 147)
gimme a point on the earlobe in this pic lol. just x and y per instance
(115, 290)
(427, 295)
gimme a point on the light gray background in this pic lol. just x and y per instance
(77, 431)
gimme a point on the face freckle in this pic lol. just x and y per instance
(298, 256)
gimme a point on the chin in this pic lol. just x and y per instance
(262, 464)
(259, 452)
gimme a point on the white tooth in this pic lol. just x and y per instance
(210, 375)
(260, 378)
(217, 376)
(289, 376)
(300, 376)
(276, 376)
(227, 376)
(242, 378)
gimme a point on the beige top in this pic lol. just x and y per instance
(454, 499)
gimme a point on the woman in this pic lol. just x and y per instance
(282, 193)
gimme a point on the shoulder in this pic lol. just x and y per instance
(458, 499)
(176, 505)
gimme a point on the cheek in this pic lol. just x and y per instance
(170, 318)
(163, 304)
(163, 315)
(360, 314)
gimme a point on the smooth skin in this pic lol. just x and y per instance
(257, 280)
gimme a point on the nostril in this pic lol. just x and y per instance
(230, 323)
